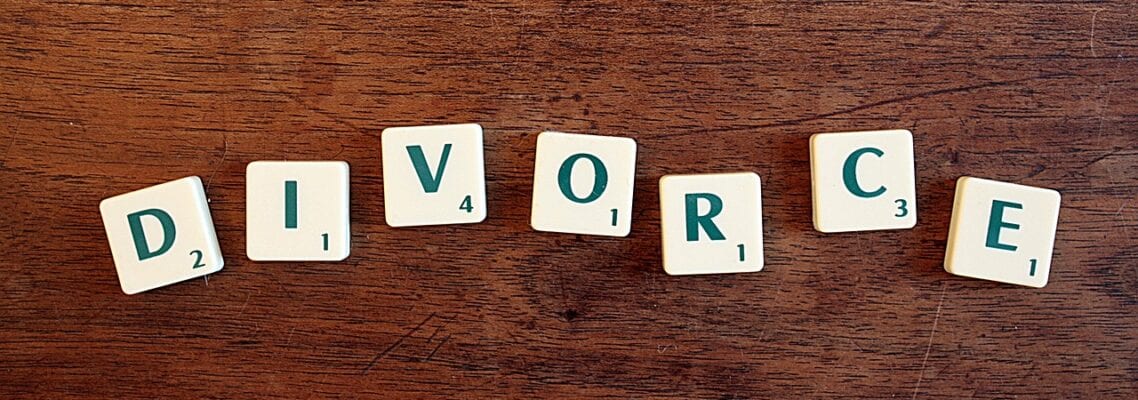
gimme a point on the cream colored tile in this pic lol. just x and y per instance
(161, 235)
(297, 211)
(863, 181)
(433, 175)
(1002, 232)
(711, 223)
(583, 184)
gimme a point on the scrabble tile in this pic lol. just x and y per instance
(161, 235)
(712, 223)
(583, 184)
(1002, 232)
(433, 175)
(297, 211)
(863, 181)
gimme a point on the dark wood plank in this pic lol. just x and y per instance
(102, 98)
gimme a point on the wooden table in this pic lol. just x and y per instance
(102, 99)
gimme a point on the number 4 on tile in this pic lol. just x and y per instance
(466, 204)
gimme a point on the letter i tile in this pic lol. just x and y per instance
(711, 223)
(161, 235)
(297, 211)
(1002, 232)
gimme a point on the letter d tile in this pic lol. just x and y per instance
(161, 235)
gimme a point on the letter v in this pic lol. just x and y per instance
(419, 161)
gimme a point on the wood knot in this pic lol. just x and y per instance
(570, 315)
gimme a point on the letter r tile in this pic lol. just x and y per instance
(161, 235)
(711, 223)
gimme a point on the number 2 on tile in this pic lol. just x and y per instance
(198, 261)
(902, 208)
(466, 205)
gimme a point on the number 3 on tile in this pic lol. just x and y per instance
(466, 204)
(198, 261)
(902, 208)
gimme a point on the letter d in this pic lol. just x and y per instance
(140, 245)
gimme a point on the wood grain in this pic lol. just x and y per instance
(100, 98)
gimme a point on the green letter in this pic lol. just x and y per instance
(849, 173)
(430, 183)
(996, 221)
(600, 181)
(695, 221)
(168, 232)
(290, 204)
